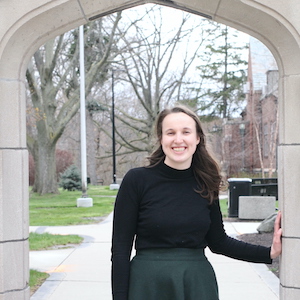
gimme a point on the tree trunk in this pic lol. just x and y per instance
(53, 82)
(273, 142)
(259, 150)
(45, 176)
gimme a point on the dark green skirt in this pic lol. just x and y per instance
(172, 274)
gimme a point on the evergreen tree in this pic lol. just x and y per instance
(223, 74)
(71, 179)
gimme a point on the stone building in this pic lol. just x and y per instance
(250, 142)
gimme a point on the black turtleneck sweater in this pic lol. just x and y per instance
(159, 207)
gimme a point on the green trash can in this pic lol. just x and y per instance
(237, 187)
(264, 187)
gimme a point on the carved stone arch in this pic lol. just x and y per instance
(25, 27)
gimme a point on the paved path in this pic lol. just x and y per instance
(83, 272)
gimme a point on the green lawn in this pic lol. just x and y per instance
(224, 207)
(36, 280)
(42, 242)
(61, 209)
(47, 241)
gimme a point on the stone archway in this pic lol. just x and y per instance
(25, 27)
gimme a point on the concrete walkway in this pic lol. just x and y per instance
(83, 272)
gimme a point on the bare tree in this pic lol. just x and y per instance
(262, 137)
(273, 143)
(53, 83)
(257, 129)
(152, 72)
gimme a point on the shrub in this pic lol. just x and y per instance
(71, 179)
(64, 159)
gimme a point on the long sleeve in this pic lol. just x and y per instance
(220, 243)
(124, 230)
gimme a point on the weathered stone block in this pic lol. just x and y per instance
(14, 195)
(290, 264)
(289, 293)
(84, 202)
(114, 186)
(289, 188)
(256, 207)
(14, 274)
(16, 295)
(12, 114)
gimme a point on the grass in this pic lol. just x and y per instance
(62, 210)
(36, 280)
(224, 207)
(47, 241)
(43, 242)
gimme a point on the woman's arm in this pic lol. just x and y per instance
(219, 242)
(124, 230)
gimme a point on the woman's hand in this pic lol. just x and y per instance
(277, 245)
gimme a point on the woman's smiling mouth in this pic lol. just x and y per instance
(179, 149)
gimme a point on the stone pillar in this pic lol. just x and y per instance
(289, 187)
(14, 261)
(23, 29)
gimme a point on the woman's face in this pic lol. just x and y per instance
(179, 140)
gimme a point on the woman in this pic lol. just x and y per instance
(172, 211)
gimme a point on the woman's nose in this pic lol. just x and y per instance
(178, 138)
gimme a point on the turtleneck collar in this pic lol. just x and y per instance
(175, 173)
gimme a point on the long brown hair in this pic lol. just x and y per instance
(205, 168)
